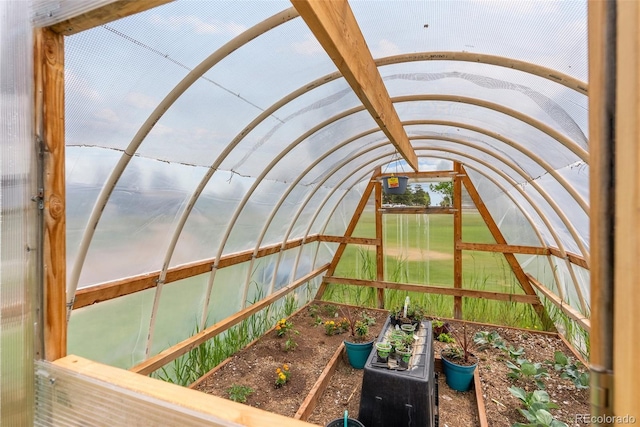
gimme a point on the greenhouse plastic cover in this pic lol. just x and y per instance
(199, 129)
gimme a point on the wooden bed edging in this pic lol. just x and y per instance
(309, 404)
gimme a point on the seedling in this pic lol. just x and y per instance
(571, 370)
(239, 393)
(484, 340)
(527, 371)
(444, 337)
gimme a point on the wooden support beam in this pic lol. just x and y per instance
(440, 290)
(417, 210)
(457, 237)
(167, 356)
(379, 246)
(505, 249)
(336, 29)
(510, 258)
(103, 15)
(580, 318)
(49, 125)
(349, 240)
(419, 175)
(119, 288)
(572, 258)
(619, 292)
(348, 232)
(225, 410)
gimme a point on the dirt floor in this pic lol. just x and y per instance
(256, 366)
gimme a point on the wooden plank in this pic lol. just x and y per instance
(49, 101)
(337, 31)
(430, 289)
(311, 401)
(429, 210)
(231, 413)
(505, 249)
(379, 246)
(602, 206)
(510, 258)
(172, 353)
(626, 216)
(572, 258)
(477, 386)
(457, 237)
(348, 233)
(580, 318)
(103, 15)
(421, 175)
(118, 288)
(350, 240)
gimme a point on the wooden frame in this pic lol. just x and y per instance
(172, 353)
(49, 125)
(335, 27)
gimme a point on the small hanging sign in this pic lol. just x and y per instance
(393, 182)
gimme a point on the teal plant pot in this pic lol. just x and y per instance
(357, 353)
(459, 377)
(339, 422)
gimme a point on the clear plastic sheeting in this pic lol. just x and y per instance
(226, 129)
(20, 250)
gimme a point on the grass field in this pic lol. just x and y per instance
(419, 250)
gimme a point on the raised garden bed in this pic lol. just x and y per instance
(321, 384)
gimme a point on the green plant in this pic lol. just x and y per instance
(527, 371)
(239, 393)
(460, 349)
(282, 327)
(537, 399)
(512, 352)
(290, 344)
(485, 339)
(537, 406)
(571, 370)
(358, 328)
(282, 375)
(445, 338)
(330, 310)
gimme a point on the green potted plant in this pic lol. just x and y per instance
(403, 356)
(383, 350)
(359, 343)
(458, 362)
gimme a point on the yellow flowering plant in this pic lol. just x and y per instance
(282, 327)
(282, 375)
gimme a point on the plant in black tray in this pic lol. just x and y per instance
(403, 356)
(458, 362)
(383, 349)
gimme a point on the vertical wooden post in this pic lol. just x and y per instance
(379, 246)
(457, 238)
(49, 111)
(602, 206)
(626, 295)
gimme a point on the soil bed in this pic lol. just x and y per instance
(256, 366)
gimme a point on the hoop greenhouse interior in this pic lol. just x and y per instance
(182, 178)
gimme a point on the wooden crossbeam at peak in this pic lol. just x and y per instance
(336, 29)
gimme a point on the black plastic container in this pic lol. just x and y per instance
(401, 398)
